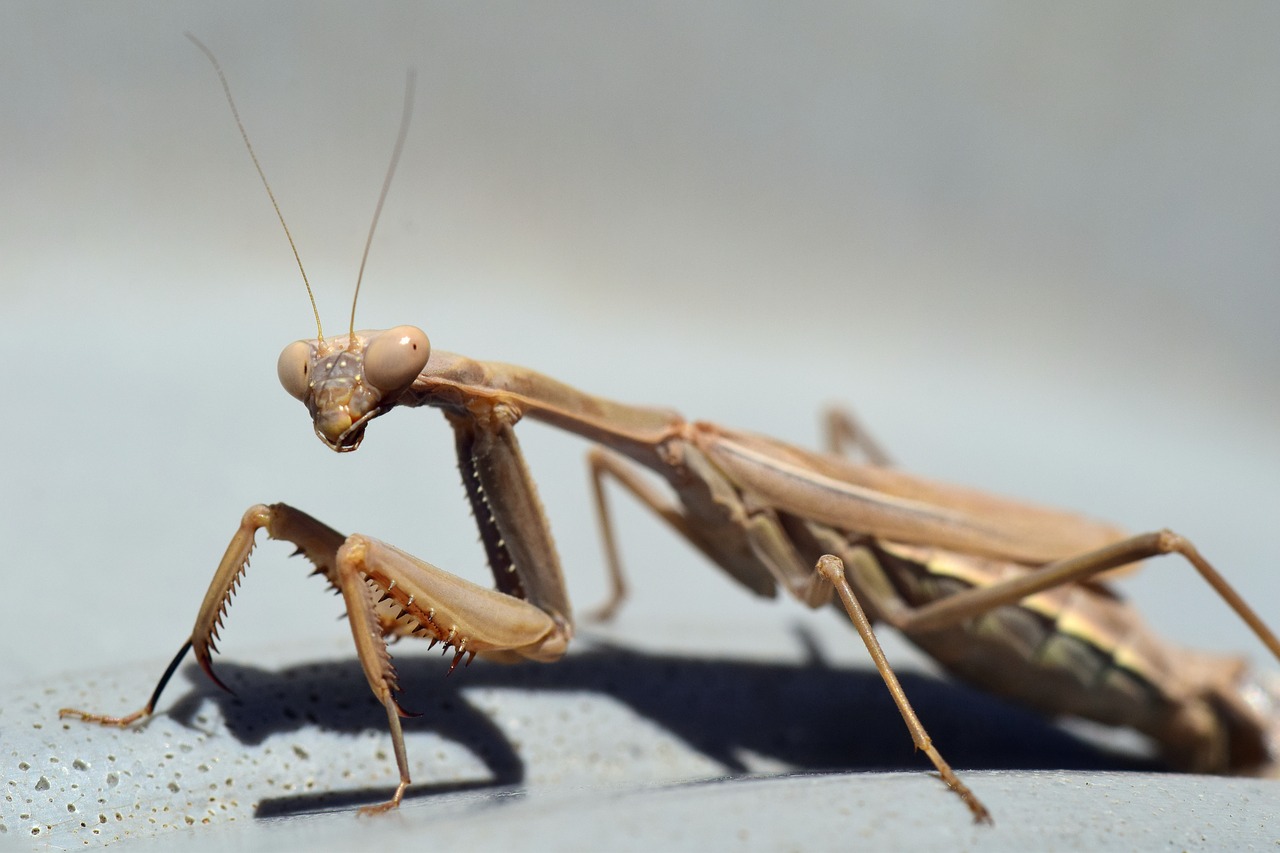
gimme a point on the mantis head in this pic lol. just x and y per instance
(345, 387)
(345, 382)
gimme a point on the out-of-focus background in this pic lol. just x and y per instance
(1034, 247)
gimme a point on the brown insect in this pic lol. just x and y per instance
(1005, 595)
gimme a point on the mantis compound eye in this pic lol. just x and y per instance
(395, 357)
(294, 369)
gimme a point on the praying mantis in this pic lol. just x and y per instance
(1005, 595)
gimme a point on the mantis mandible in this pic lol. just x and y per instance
(1003, 594)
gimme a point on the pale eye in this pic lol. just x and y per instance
(395, 357)
(294, 369)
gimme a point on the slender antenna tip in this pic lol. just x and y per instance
(235, 113)
(406, 115)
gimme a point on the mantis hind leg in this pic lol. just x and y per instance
(978, 600)
(1074, 648)
(842, 432)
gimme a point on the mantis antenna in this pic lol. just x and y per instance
(222, 78)
(405, 115)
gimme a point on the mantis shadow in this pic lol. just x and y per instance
(811, 717)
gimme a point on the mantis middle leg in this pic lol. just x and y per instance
(750, 543)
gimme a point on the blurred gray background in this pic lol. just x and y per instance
(1034, 246)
